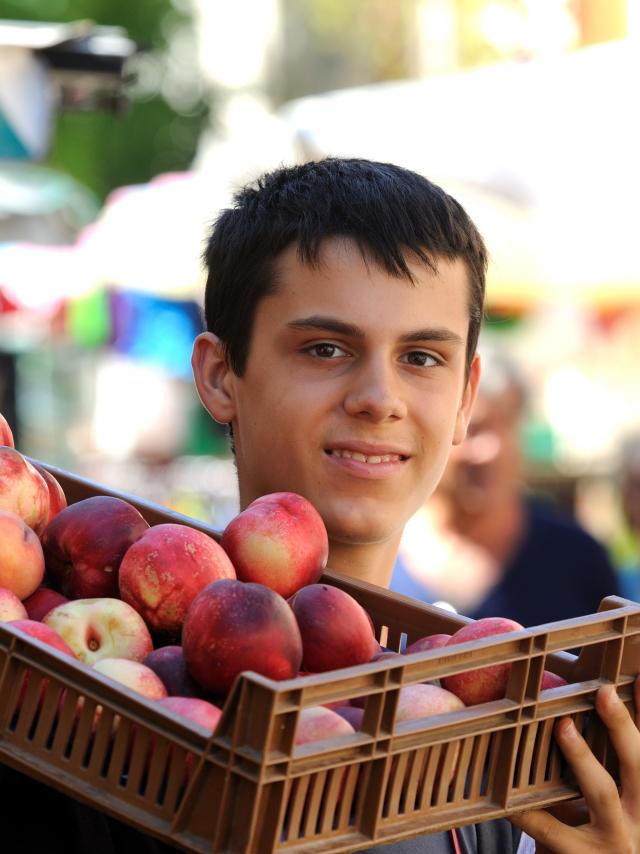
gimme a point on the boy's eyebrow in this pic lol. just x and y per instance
(327, 324)
(332, 324)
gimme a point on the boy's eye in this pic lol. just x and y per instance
(420, 359)
(325, 350)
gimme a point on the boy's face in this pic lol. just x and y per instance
(354, 389)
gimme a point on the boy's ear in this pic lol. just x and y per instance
(213, 377)
(468, 399)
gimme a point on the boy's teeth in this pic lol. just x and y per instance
(363, 458)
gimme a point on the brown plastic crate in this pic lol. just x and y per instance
(249, 790)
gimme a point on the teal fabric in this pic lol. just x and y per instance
(11, 146)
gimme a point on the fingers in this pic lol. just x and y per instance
(626, 742)
(610, 812)
(549, 833)
(595, 783)
(573, 812)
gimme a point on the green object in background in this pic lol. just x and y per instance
(206, 438)
(88, 319)
(538, 441)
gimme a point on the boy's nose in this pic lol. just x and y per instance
(375, 393)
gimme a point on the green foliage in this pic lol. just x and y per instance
(103, 150)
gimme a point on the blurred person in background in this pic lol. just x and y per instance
(625, 542)
(483, 543)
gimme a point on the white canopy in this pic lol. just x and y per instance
(544, 154)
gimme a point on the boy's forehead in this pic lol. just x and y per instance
(336, 252)
(341, 289)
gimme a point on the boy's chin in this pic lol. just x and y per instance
(363, 531)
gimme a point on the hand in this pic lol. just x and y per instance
(609, 822)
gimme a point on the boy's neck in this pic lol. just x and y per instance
(372, 563)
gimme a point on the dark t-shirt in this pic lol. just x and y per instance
(559, 572)
(40, 820)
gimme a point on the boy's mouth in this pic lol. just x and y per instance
(372, 459)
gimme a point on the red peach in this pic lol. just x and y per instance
(425, 700)
(233, 626)
(169, 664)
(41, 601)
(551, 680)
(429, 642)
(484, 683)
(200, 711)
(279, 540)
(335, 628)
(44, 634)
(21, 557)
(6, 436)
(85, 543)
(163, 571)
(57, 498)
(317, 723)
(416, 702)
(23, 490)
(132, 674)
(386, 655)
(11, 608)
(351, 714)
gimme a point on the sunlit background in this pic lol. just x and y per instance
(125, 127)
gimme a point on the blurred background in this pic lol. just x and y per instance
(125, 127)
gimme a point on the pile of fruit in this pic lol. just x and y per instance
(174, 615)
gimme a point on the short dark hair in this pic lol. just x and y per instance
(386, 209)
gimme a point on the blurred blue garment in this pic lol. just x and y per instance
(156, 330)
(559, 571)
(629, 581)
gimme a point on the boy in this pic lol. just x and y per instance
(343, 306)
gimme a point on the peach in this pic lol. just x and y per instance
(11, 608)
(57, 498)
(280, 541)
(423, 701)
(21, 557)
(429, 642)
(169, 664)
(6, 436)
(233, 626)
(46, 635)
(23, 490)
(317, 723)
(101, 628)
(200, 711)
(351, 714)
(551, 680)
(416, 702)
(133, 675)
(162, 572)
(336, 630)
(43, 633)
(41, 601)
(482, 684)
(386, 655)
(84, 545)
